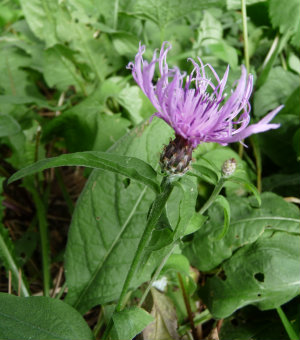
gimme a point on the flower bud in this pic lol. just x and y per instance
(228, 167)
(176, 157)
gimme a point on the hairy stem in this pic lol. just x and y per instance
(155, 212)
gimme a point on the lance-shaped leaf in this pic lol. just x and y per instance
(131, 167)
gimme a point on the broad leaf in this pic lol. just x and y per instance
(279, 85)
(40, 15)
(251, 324)
(236, 4)
(8, 126)
(107, 224)
(264, 273)
(181, 205)
(285, 16)
(40, 318)
(128, 166)
(130, 322)
(248, 222)
(164, 12)
(60, 71)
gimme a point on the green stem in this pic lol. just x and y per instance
(116, 9)
(155, 275)
(287, 325)
(208, 203)
(246, 53)
(12, 266)
(283, 62)
(245, 35)
(155, 212)
(257, 155)
(99, 324)
(62, 290)
(64, 190)
(43, 227)
(198, 320)
(213, 196)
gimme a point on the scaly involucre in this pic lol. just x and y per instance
(195, 106)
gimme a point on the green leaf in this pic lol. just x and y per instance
(204, 173)
(225, 52)
(248, 185)
(214, 160)
(130, 322)
(195, 223)
(130, 99)
(264, 273)
(210, 30)
(251, 324)
(285, 15)
(176, 263)
(125, 43)
(163, 12)
(225, 205)
(108, 221)
(248, 223)
(236, 4)
(294, 63)
(60, 71)
(13, 78)
(274, 92)
(40, 318)
(128, 166)
(41, 17)
(181, 205)
(8, 126)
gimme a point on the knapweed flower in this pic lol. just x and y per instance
(195, 106)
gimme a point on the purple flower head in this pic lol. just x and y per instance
(195, 106)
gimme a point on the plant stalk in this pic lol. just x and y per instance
(287, 325)
(245, 35)
(188, 307)
(155, 212)
(213, 196)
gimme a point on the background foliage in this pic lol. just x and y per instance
(64, 88)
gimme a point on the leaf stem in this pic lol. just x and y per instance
(116, 9)
(12, 266)
(213, 196)
(245, 35)
(155, 275)
(257, 155)
(64, 190)
(61, 291)
(43, 228)
(155, 212)
(287, 325)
